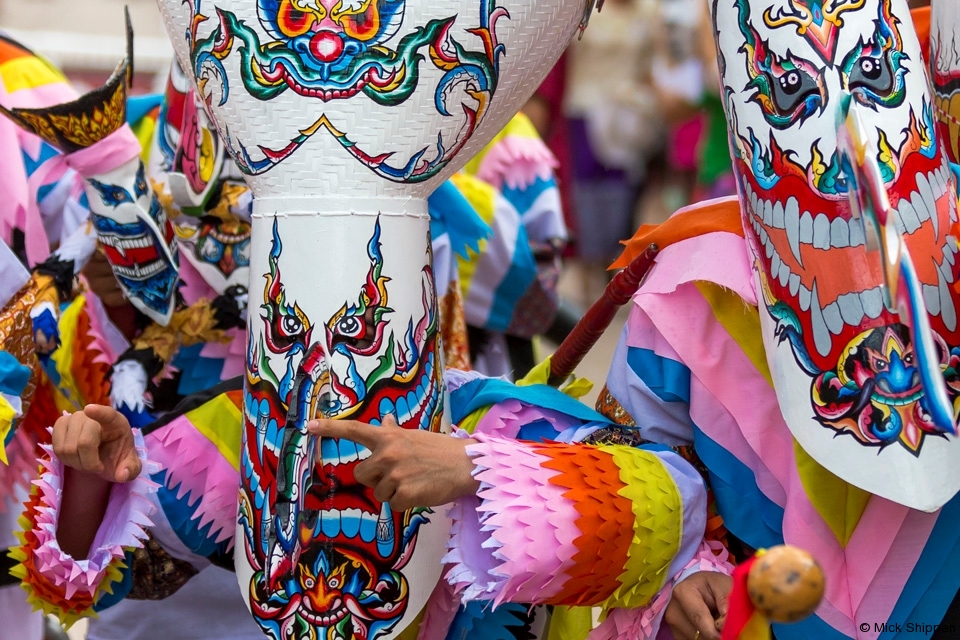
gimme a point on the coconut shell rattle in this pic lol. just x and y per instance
(782, 584)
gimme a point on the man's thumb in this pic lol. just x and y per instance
(129, 467)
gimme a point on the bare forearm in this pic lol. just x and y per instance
(84, 503)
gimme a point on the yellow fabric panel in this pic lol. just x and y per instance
(28, 72)
(570, 623)
(220, 422)
(7, 415)
(481, 197)
(144, 131)
(838, 502)
(658, 528)
(67, 394)
(742, 322)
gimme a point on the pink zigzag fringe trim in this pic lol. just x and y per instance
(644, 623)
(196, 466)
(517, 543)
(124, 525)
(518, 162)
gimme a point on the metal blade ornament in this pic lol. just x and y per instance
(343, 116)
(901, 288)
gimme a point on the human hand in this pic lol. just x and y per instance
(97, 441)
(407, 467)
(100, 278)
(698, 605)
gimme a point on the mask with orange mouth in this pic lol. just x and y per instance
(848, 202)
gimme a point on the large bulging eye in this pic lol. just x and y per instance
(872, 74)
(792, 88)
(349, 327)
(291, 325)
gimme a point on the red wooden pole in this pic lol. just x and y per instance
(599, 316)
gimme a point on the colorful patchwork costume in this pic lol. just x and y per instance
(804, 337)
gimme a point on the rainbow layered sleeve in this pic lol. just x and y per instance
(560, 522)
(185, 497)
(691, 362)
(71, 369)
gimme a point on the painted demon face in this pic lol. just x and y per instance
(389, 92)
(327, 559)
(217, 244)
(188, 153)
(331, 50)
(200, 188)
(330, 46)
(137, 238)
(842, 366)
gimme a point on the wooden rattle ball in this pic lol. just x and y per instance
(785, 584)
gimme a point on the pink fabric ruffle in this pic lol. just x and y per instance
(516, 542)
(107, 337)
(195, 468)
(644, 623)
(124, 525)
(517, 162)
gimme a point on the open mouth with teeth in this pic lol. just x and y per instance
(327, 91)
(823, 287)
(814, 254)
(143, 263)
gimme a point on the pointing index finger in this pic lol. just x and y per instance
(108, 417)
(359, 432)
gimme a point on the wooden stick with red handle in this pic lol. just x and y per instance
(599, 316)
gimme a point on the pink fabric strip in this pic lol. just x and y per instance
(697, 259)
(878, 592)
(18, 210)
(760, 439)
(440, 611)
(518, 162)
(101, 157)
(530, 527)
(18, 207)
(21, 468)
(196, 469)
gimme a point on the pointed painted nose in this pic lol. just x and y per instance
(326, 46)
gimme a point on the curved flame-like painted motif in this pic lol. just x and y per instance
(335, 49)
(945, 72)
(406, 89)
(329, 560)
(845, 369)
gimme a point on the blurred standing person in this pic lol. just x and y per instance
(545, 110)
(614, 125)
(688, 89)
